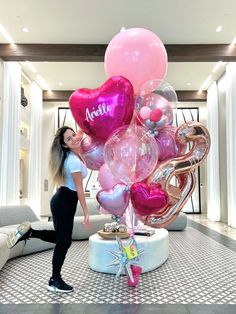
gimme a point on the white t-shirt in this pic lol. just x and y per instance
(73, 164)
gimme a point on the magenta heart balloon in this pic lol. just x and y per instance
(136, 271)
(100, 111)
(147, 199)
(116, 200)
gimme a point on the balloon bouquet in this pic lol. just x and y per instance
(130, 138)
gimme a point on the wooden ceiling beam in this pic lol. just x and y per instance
(191, 95)
(95, 52)
(64, 95)
(52, 52)
(201, 53)
(56, 95)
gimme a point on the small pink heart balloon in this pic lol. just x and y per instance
(136, 271)
(147, 199)
(100, 111)
(135, 282)
(116, 200)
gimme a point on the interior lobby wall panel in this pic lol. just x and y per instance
(48, 131)
(1, 104)
(222, 148)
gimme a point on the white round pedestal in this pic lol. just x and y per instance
(155, 251)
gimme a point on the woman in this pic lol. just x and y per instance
(67, 170)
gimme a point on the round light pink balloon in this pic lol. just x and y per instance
(137, 54)
(106, 178)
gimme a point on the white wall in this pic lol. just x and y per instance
(24, 142)
(222, 148)
(1, 105)
(48, 130)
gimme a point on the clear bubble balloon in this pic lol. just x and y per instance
(156, 104)
(131, 148)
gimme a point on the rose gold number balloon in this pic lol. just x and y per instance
(183, 169)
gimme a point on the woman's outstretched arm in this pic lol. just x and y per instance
(77, 177)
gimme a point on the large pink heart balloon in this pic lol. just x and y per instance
(100, 111)
(147, 199)
(116, 200)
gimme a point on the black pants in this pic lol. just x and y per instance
(63, 206)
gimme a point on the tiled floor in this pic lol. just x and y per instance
(116, 309)
(220, 227)
(217, 247)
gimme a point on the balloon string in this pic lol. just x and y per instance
(131, 218)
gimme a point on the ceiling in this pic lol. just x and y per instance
(97, 22)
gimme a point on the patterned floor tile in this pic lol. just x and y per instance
(199, 270)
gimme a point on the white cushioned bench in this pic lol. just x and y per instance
(155, 251)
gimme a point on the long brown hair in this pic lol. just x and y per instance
(58, 153)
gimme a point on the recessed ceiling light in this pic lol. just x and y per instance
(219, 29)
(60, 83)
(188, 83)
(25, 29)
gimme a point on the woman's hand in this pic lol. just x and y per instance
(86, 221)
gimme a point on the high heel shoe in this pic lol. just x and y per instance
(22, 232)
